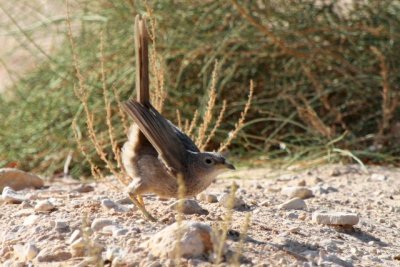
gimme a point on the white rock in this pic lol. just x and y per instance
(31, 219)
(195, 239)
(100, 223)
(189, 206)
(335, 218)
(297, 191)
(74, 236)
(378, 177)
(51, 254)
(226, 201)
(208, 198)
(10, 196)
(18, 180)
(30, 251)
(44, 206)
(293, 204)
(321, 189)
(109, 204)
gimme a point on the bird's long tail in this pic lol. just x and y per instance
(142, 61)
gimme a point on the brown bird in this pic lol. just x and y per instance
(157, 152)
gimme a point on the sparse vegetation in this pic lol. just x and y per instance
(325, 83)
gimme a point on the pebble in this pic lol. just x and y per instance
(26, 252)
(208, 198)
(293, 204)
(44, 206)
(189, 206)
(100, 223)
(378, 177)
(51, 254)
(109, 204)
(226, 200)
(18, 180)
(195, 240)
(335, 218)
(297, 191)
(321, 189)
(74, 236)
(84, 188)
(60, 225)
(10, 196)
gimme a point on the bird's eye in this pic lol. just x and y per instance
(208, 161)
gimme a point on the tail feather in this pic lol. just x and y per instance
(142, 61)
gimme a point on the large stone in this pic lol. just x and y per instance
(18, 180)
(297, 191)
(26, 252)
(10, 196)
(51, 254)
(192, 239)
(188, 206)
(208, 198)
(335, 218)
(293, 204)
(45, 206)
(100, 223)
(228, 201)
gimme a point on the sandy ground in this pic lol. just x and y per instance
(275, 237)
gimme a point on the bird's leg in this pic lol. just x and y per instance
(134, 195)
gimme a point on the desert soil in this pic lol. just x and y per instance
(275, 237)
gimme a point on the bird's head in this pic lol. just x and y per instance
(209, 164)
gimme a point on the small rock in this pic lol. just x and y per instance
(99, 223)
(74, 236)
(226, 200)
(297, 191)
(378, 177)
(335, 218)
(208, 198)
(31, 251)
(189, 206)
(78, 247)
(301, 182)
(60, 225)
(294, 229)
(44, 206)
(195, 240)
(84, 188)
(321, 189)
(109, 204)
(18, 180)
(293, 204)
(31, 220)
(51, 254)
(10, 196)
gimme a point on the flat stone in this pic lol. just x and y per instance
(335, 218)
(10, 196)
(53, 254)
(18, 180)
(208, 198)
(297, 191)
(109, 204)
(74, 236)
(378, 177)
(100, 223)
(293, 204)
(227, 201)
(189, 206)
(44, 206)
(192, 238)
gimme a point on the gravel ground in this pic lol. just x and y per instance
(44, 229)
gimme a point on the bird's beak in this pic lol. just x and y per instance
(229, 166)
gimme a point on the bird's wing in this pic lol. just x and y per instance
(161, 135)
(186, 141)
